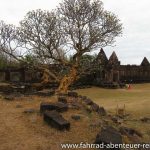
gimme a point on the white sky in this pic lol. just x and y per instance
(134, 14)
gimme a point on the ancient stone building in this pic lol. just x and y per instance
(113, 71)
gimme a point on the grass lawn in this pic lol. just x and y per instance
(136, 100)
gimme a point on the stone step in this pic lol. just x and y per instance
(54, 119)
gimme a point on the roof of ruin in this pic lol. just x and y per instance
(101, 57)
(113, 58)
(145, 62)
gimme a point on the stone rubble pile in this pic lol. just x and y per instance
(51, 111)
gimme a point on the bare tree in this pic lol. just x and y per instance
(9, 43)
(86, 26)
(77, 25)
(17, 41)
(41, 34)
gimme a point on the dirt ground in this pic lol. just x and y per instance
(21, 131)
(28, 131)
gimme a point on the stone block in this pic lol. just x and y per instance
(59, 106)
(56, 120)
(109, 135)
(76, 117)
(62, 99)
(88, 101)
(102, 111)
(73, 94)
(95, 107)
(46, 92)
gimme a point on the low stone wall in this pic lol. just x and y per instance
(2, 76)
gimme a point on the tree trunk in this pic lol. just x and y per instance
(67, 80)
(45, 78)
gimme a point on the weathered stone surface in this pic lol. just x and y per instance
(15, 76)
(19, 89)
(56, 120)
(95, 107)
(88, 109)
(80, 96)
(129, 131)
(73, 94)
(76, 106)
(145, 62)
(76, 117)
(101, 58)
(145, 120)
(83, 97)
(117, 119)
(2, 76)
(45, 92)
(88, 101)
(9, 98)
(29, 111)
(102, 111)
(62, 99)
(59, 106)
(109, 135)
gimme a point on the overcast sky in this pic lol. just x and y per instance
(134, 14)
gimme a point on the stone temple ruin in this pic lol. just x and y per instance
(110, 72)
(113, 71)
(107, 73)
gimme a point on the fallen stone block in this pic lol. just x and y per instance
(80, 96)
(101, 111)
(117, 120)
(88, 101)
(59, 106)
(46, 93)
(56, 120)
(145, 119)
(73, 94)
(83, 97)
(62, 99)
(29, 111)
(88, 109)
(75, 105)
(109, 135)
(95, 107)
(9, 98)
(130, 132)
(76, 117)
